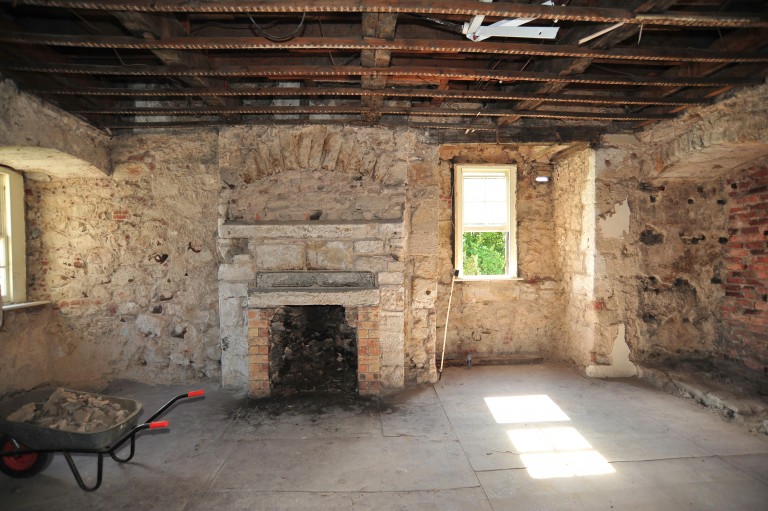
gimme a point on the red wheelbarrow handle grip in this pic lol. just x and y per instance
(196, 393)
(158, 424)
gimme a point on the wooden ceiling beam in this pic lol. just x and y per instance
(446, 7)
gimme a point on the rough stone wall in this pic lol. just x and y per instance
(743, 331)
(31, 344)
(659, 259)
(501, 317)
(422, 218)
(130, 263)
(574, 220)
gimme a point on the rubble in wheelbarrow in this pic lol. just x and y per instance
(72, 411)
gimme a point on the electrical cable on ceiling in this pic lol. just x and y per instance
(278, 38)
(456, 27)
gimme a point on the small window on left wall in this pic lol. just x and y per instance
(13, 266)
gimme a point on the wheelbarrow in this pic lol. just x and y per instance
(26, 449)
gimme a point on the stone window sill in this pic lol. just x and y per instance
(488, 278)
(23, 305)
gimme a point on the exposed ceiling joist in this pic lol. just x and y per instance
(381, 61)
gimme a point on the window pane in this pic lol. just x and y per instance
(485, 200)
(485, 253)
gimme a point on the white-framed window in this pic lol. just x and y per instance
(13, 266)
(486, 235)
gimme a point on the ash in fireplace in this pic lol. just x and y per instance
(312, 349)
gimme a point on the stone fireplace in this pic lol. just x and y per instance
(272, 267)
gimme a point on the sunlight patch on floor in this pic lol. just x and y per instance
(546, 452)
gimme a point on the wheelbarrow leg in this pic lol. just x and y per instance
(118, 459)
(76, 472)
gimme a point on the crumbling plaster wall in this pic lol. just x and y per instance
(660, 276)
(492, 318)
(129, 262)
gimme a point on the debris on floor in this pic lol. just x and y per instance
(68, 410)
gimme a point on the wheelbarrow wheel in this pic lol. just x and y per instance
(21, 465)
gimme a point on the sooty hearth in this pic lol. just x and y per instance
(312, 349)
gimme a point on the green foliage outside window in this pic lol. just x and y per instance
(485, 253)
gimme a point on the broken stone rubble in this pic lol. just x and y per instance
(76, 412)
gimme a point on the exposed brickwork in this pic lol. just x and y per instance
(258, 352)
(744, 332)
(368, 351)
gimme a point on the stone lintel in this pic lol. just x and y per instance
(314, 296)
(281, 280)
(313, 230)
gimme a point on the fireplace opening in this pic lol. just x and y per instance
(312, 349)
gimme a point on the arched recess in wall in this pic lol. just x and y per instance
(315, 173)
(38, 162)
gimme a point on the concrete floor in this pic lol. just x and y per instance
(546, 438)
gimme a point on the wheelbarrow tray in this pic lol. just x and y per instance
(42, 438)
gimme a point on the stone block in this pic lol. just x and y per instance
(232, 290)
(369, 247)
(424, 243)
(149, 325)
(426, 267)
(231, 312)
(279, 256)
(331, 255)
(424, 216)
(238, 271)
(391, 278)
(423, 294)
(375, 264)
(392, 298)
(393, 377)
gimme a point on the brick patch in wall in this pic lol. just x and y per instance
(744, 309)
